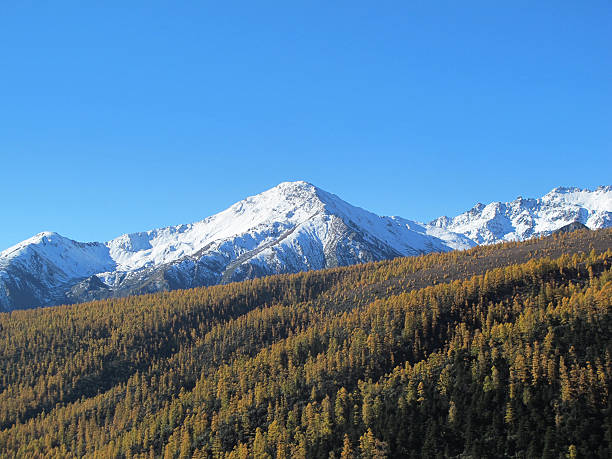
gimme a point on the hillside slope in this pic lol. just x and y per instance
(496, 351)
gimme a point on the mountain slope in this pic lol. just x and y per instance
(497, 351)
(32, 271)
(292, 227)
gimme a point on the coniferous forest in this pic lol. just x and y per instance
(499, 351)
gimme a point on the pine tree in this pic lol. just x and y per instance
(347, 449)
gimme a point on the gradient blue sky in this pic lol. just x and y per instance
(120, 118)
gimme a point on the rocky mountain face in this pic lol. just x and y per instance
(292, 227)
(575, 226)
(526, 218)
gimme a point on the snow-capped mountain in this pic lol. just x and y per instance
(525, 218)
(292, 227)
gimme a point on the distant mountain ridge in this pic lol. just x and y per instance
(525, 218)
(292, 227)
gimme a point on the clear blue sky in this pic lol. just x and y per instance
(118, 118)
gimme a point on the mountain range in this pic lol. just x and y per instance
(292, 227)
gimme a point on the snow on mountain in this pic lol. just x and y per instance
(292, 227)
(264, 218)
(525, 218)
(74, 258)
(31, 271)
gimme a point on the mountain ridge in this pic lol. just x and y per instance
(292, 227)
(527, 217)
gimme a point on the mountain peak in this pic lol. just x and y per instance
(298, 190)
(295, 193)
(297, 184)
(294, 226)
(47, 234)
(291, 227)
(565, 189)
(40, 238)
(524, 217)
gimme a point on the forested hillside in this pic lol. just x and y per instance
(499, 351)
